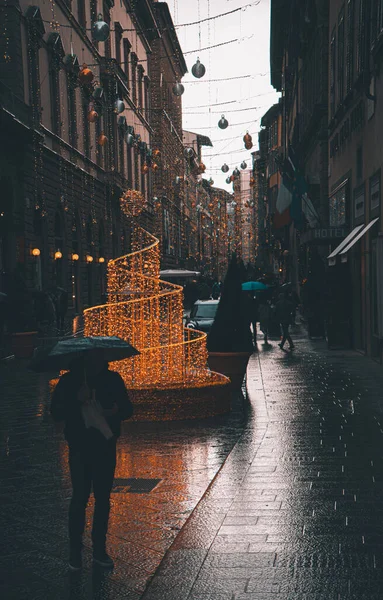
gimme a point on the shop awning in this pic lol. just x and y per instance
(357, 238)
(343, 244)
(353, 237)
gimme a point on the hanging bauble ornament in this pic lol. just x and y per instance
(223, 123)
(144, 169)
(228, 180)
(98, 92)
(100, 29)
(129, 139)
(119, 106)
(92, 116)
(243, 165)
(198, 69)
(188, 152)
(102, 139)
(247, 139)
(85, 76)
(155, 167)
(236, 172)
(224, 168)
(156, 153)
(178, 89)
(232, 177)
(70, 61)
(249, 145)
(201, 168)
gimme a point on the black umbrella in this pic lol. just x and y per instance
(64, 352)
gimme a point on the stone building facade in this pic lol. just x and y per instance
(326, 60)
(167, 67)
(67, 160)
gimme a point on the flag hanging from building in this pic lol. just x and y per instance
(293, 201)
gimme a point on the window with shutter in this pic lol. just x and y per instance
(127, 47)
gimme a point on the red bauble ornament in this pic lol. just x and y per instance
(249, 146)
(202, 168)
(144, 169)
(155, 167)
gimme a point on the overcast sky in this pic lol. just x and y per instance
(248, 98)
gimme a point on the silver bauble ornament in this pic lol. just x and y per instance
(223, 123)
(224, 168)
(129, 138)
(198, 69)
(188, 152)
(236, 172)
(119, 106)
(243, 165)
(100, 29)
(178, 89)
(228, 180)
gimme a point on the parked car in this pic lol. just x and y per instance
(202, 315)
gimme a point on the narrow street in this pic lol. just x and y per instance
(282, 503)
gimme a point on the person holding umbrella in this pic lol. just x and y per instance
(90, 401)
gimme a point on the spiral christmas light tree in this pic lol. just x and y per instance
(169, 379)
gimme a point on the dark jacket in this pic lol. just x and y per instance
(110, 389)
(284, 310)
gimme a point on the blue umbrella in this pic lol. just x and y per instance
(254, 286)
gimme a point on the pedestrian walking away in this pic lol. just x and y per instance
(284, 311)
(264, 318)
(90, 401)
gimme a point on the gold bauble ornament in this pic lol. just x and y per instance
(85, 75)
(102, 139)
(92, 116)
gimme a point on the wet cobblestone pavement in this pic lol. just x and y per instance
(179, 459)
(284, 503)
(296, 511)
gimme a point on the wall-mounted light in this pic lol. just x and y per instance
(89, 258)
(36, 252)
(58, 255)
(75, 256)
(101, 259)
